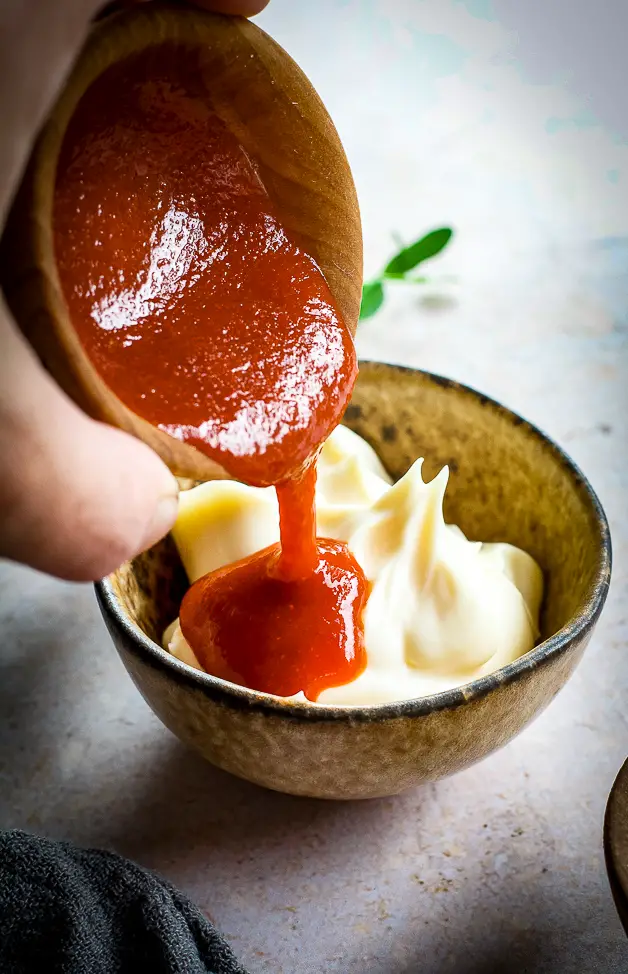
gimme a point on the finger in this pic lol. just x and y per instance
(77, 498)
(243, 8)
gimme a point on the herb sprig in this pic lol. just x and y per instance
(400, 266)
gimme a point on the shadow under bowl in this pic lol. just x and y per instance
(508, 482)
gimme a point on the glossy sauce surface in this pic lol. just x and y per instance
(206, 319)
(189, 297)
(247, 625)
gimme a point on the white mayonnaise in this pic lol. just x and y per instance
(442, 610)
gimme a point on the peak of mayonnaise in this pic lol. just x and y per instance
(442, 610)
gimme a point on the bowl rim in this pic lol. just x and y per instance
(239, 697)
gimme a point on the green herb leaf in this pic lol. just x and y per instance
(388, 276)
(372, 299)
(404, 277)
(425, 248)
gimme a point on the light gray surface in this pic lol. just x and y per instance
(499, 869)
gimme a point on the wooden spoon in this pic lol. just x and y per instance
(267, 102)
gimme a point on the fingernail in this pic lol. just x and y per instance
(163, 518)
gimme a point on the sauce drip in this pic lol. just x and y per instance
(276, 628)
(206, 318)
(287, 619)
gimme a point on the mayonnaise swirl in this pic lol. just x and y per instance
(442, 610)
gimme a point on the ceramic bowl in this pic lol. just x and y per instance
(508, 482)
(616, 843)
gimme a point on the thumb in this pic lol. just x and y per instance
(244, 8)
(77, 497)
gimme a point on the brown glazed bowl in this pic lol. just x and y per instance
(508, 482)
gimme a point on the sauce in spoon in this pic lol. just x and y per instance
(206, 319)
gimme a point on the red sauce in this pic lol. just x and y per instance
(206, 318)
(249, 626)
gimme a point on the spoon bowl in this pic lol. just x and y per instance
(266, 101)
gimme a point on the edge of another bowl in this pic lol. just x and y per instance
(242, 698)
(616, 843)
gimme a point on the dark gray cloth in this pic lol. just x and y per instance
(65, 910)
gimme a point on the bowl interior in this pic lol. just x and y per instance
(508, 483)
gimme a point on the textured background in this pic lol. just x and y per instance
(510, 122)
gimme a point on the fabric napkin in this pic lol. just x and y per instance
(65, 910)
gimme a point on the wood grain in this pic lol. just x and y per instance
(271, 107)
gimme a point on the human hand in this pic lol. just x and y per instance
(77, 497)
